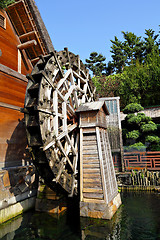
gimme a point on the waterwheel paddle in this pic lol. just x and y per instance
(58, 84)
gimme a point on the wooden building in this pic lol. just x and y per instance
(23, 38)
(99, 196)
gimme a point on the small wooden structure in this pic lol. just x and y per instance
(99, 196)
(115, 131)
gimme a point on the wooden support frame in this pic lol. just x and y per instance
(59, 95)
(27, 44)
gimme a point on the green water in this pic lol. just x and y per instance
(137, 219)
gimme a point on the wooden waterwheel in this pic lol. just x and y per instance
(58, 84)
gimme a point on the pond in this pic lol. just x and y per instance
(137, 219)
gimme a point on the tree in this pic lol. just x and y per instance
(106, 86)
(140, 82)
(5, 3)
(150, 44)
(139, 130)
(133, 49)
(126, 52)
(96, 63)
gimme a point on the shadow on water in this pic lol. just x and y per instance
(137, 219)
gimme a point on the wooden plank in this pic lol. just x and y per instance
(93, 196)
(92, 175)
(101, 165)
(64, 153)
(69, 107)
(93, 171)
(91, 161)
(6, 105)
(70, 143)
(59, 84)
(75, 160)
(81, 165)
(12, 73)
(64, 113)
(93, 200)
(75, 90)
(92, 184)
(90, 166)
(60, 136)
(92, 190)
(79, 77)
(90, 152)
(55, 109)
(12, 90)
(69, 92)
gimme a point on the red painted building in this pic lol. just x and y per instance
(23, 38)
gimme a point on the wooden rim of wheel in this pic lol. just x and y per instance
(57, 86)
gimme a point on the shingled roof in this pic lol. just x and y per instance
(40, 25)
(93, 106)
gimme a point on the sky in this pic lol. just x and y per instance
(86, 26)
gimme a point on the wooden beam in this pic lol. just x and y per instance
(78, 76)
(34, 60)
(12, 73)
(28, 34)
(64, 153)
(81, 164)
(27, 44)
(6, 105)
(101, 164)
(60, 136)
(59, 84)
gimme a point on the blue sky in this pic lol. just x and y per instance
(85, 26)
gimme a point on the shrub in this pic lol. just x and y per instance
(132, 108)
(152, 139)
(133, 134)
(148, 127)
(135, 147)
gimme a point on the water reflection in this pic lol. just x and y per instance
(101, 229)
(137, 219)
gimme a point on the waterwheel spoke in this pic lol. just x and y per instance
(52, 97)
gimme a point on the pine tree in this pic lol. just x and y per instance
(126, 52)
(96, 63)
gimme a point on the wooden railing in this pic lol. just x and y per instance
(117, 162)
(141, 160)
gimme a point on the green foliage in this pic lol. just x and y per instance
(149, 127)
(152, 139)
(96, 63)
(133, 134)
(132, 108)
(106, 86)
(5, 3)
(155, 147)
(138, 129)
(139, 119)
(132, 49)
(139, 146)
(134, 72)
(140, 82)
